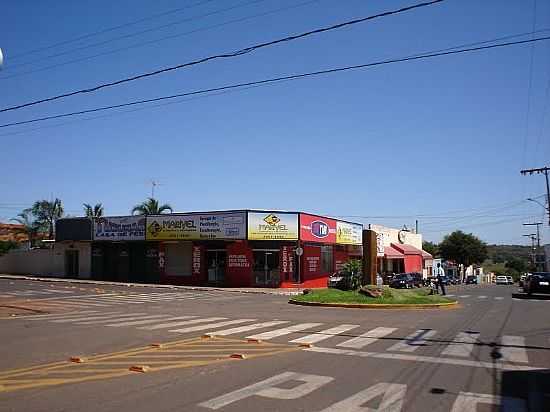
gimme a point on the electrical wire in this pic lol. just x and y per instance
(109, 29)
(274, 80)
(158, 40)
(236, 53)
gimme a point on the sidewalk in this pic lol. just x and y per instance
(265, 291)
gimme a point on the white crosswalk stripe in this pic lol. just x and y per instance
(135, 318)
(58, 315)
(87, 317)
(513, 349)
(482, 297)
(367, 338)
(324, 334)
(176, 324)
(247, 328)
(211, 325)
(464, 296)
(284, 331)
(463, 345)
(499, 297)
(413, 341)
(126, 316)
(144, 322)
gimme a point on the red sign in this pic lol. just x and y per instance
(196, 260)
(317, 229)
(286, 263)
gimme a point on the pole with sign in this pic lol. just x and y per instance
(299, 252)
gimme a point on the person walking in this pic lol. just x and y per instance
(440, 273)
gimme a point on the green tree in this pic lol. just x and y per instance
(46, 213)
(30, 226)
(431, 247)
(519, 265)
(6, 246)
(463, 248)
(93, 211)
(151, 207)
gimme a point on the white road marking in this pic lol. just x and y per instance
(324, 334)
(268, 389)
(367, 338)
(392, 400)
(247, 328)
(185, 322)
(211, 325)
(58, 315)
(513, 349)
(137, 318)
(468, 401)
(83, 303)
(464, 296)
(420, 358)
(463, 345)
(121, 317)
(144, 322)
(450, 295)
(482, 297)
(413, 341)
(499, 297)
(87, 317)
(284, 331)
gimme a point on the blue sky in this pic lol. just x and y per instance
(441, 140)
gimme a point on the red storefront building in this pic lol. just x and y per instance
(238, 248)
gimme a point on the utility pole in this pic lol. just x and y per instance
(544, 171)
(532, 236)
(537, 250)
(154, 184)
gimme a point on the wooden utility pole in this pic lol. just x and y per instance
(369, 257)
(544, 171)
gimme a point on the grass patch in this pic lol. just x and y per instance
(389, 296)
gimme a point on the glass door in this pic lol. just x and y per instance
(215, 260)
(266, 267)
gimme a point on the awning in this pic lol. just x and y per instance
(411, 250)
(391, 253)
(426, 255)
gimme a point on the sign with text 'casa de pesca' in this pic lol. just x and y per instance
(119, 228)
(349, 233)
(201, 226)
(272, 226)
(317, 229)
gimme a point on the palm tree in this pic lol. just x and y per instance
(93, 212)
(151, 207)
(30, 226)
(47, 213)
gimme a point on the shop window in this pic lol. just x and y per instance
(178, 259)
(327, 259)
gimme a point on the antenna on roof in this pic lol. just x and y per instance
(154, 184)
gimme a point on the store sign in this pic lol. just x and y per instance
(349, 233)
(286, 263)
(380, 244)
(119, 228)
(197, 260)
(238, 261)
(272, 226)
(196, 226)
(317, 229)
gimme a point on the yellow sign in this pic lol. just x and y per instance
(349, 233)
(272, 226)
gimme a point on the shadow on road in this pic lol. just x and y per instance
(533, 386)
(534, 296)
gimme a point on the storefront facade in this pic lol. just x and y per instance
(242, 248)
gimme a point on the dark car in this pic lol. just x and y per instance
(417, 279)
(471, 280)
(537, 282)
(338, 280)
(402, 281)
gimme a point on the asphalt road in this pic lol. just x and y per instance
(490, 353)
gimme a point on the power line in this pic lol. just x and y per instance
(110, 29)
(274, 80)
(160, 39)
(236, 53)
(137, 33)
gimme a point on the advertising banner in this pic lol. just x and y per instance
(349, 233)
(380, 245)
(272, 226)
(196, 226)
(317, 229)
(119, 228)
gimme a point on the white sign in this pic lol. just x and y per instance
(380, 244)
(272, 226)
(119, 228)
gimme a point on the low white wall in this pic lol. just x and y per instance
(46, 262)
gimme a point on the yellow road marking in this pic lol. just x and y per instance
(179, 354)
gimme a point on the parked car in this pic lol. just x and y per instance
(501, 280)
(537, 282)
(471, 280)
(510, 280)
(402, 281)
(338, 280)
(417, 279)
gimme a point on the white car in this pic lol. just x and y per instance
(501, 280)
(510, 280)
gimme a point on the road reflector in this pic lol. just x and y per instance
(237, 356)
(252, 340)
(139, 368)
(77, 359)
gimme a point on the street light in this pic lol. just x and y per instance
(537, 202)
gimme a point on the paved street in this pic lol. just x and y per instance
(493, 349)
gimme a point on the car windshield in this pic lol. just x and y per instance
(545, 275)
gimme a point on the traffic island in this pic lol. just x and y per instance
(388, 299)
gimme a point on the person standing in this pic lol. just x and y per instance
(440, 274)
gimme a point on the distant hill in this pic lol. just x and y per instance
(503, 253)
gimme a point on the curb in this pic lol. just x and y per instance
(150, 285)
(445, 305)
